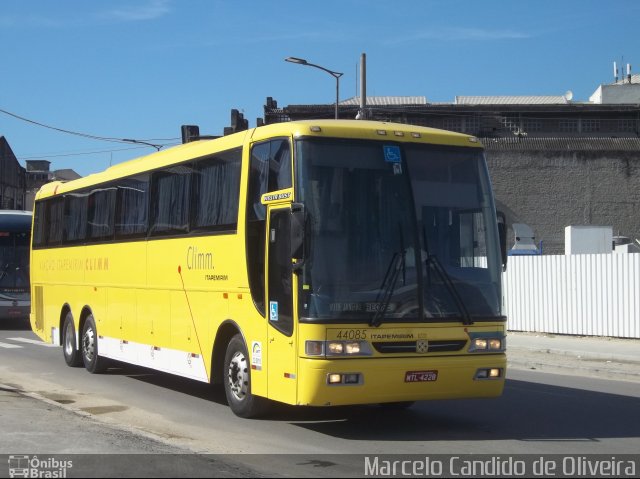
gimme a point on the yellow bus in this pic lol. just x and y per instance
(315, 263)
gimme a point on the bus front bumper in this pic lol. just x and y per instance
(383, 380)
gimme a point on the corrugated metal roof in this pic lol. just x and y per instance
(511, 100)
(387, 100)
(563, 144)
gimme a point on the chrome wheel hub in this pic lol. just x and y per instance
(238, 376)
(89, 344)
(69, 341)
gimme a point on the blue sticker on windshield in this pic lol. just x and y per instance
(392, 154)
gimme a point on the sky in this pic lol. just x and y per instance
(139, 69)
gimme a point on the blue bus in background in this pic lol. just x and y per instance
(15, 235)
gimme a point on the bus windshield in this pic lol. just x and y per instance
(14, 262)
(397, 232)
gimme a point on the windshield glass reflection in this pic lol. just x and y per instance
(395, 238)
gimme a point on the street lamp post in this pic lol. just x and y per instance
(336, 75)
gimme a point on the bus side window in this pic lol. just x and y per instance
(270, 170)
(39, 224)
(258, 181)
(215, 191)
(132, 206)
(55, 220)
(170, 197)
(75, 217)
(279, 165)
(101, 213)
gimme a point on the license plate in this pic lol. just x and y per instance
(420, 376)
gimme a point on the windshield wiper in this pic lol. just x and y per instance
(446, 280)
(387, 288)
(389, 281)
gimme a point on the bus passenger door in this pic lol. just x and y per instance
(281, 334)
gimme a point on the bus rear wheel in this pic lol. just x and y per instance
(92, 360)
(237, 381)
(70, 350)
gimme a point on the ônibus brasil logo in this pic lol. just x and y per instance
(26, 466)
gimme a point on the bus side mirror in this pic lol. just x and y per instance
(502, 234)
(298, 223)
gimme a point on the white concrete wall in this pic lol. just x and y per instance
(617, 93)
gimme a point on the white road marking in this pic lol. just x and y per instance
(33, 341)
(9, 346)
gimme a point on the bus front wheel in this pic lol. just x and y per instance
(72, 355)
(92, 360)
(237, 381)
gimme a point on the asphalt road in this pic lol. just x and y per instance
(539, 413)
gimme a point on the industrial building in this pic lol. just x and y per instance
(554, 161)
(12, 179)
(18, 185)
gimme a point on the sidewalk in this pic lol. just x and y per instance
(36, 427)
(606, 358)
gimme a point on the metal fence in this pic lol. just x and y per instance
(586, 294)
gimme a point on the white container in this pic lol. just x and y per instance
(588, 239)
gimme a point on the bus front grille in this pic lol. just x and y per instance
(440, 346)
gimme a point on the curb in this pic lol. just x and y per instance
(586, 355)
(571, 364)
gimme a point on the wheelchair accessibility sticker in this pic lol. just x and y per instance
(273, 311)
(392, 154)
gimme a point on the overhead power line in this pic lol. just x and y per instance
(79, 153)
(89, 136)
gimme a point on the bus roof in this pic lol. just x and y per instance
(374, 130)
(358, 129)
(15, 221)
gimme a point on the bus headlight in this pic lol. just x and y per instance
(487, 343)
(352, 348)
(479, 344)
(337, 348)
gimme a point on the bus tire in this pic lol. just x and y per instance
(237, 381)
(72, 355)
(90, 356)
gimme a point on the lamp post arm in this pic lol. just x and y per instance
(336, 75)
(330, 72)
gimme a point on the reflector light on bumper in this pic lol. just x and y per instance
(334, 379)
(488, 374)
